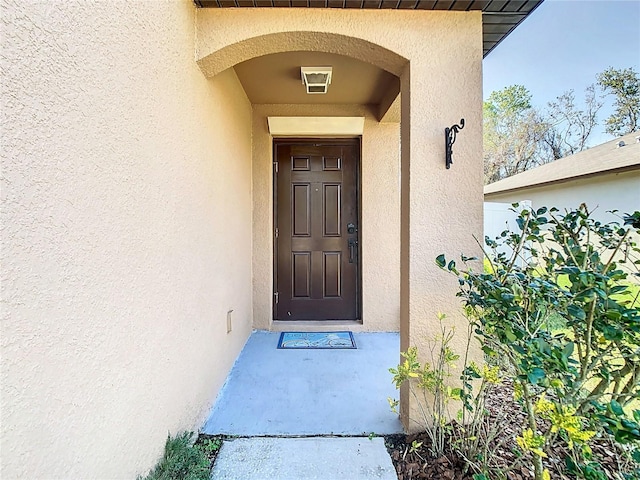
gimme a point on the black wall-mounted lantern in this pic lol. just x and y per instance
(449, 140)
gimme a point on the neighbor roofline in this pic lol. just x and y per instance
(600, 173)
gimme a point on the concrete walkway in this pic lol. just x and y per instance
(290, 393)
(304, 459)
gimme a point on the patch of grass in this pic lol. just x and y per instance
(210, 445)
(181, 461)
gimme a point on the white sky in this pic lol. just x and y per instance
(562, 45)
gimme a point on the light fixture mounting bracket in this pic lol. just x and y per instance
(449, 139)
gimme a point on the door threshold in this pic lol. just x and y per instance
(316, 325)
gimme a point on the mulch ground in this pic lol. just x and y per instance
(506, 415)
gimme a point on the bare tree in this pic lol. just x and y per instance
(570, 127)
(518, 137)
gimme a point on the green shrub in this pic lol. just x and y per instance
(573, 272)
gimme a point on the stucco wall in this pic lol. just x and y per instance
(126, 213)
(615, 191)
(380, 227)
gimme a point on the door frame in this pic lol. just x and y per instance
(329, 141)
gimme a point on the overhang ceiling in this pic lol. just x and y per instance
(499, 17)
(276, 78)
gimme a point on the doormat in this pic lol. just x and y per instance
(317, 340)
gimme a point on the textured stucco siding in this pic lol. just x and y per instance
(380, 213)
(126, 234)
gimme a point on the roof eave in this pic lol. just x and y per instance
(510, 12)
(627, 168)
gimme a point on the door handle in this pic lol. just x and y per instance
(353, 245)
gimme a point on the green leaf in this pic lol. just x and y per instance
(490, 351)
(510, 335)
(612, 333)
(567, 351)
(616, 408)
(519, 349)
(576, 312)
(613, 315)
(441, 260)
(535, 375)
(618, 289)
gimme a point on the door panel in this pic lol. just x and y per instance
(301, 274)
(332, 207)
(332, 274)
(315, 258)
(300, 198)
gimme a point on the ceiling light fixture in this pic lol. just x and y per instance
(316, 79)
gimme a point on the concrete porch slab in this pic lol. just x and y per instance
(304, 459)
(271, 392)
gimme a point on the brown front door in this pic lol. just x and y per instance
(316, 237)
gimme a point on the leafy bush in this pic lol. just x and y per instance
(432, 385)
(574, 381)
(429, 386)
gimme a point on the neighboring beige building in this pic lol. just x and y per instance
(605, 178)
(141, 227)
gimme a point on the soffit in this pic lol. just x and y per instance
(499, 17)
(275, 79)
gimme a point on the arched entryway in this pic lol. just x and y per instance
(437, 60)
